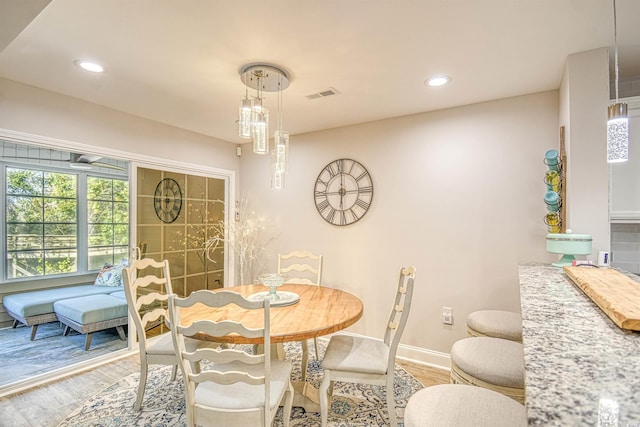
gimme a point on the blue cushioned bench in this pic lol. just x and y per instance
(92, 313)
(36, 307)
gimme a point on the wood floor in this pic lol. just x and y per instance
(49, 405)
(427, 375)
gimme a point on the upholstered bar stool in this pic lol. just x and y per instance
(492, 363)
(455, 405)
(495, 323)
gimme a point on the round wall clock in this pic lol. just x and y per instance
(343, 192)
(167, 200)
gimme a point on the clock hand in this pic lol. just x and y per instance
(341, 189)
(342, 193)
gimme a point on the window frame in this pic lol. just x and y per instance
(134, 160)
(82, 204)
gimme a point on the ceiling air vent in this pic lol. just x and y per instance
(323, 93)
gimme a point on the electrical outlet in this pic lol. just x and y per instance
(447, 315)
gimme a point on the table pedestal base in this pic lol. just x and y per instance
(306, 396)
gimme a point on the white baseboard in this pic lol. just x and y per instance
(425, 356)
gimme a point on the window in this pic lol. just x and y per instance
(42, 231)
(41, 223)
(108, 220)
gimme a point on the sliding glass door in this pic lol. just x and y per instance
(178, 214)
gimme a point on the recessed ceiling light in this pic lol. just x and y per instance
(89, 65)
(436, 81)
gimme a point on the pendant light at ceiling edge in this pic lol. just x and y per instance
(617, 118)
(280, 154)
(253, 120)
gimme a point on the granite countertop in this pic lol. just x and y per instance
(580, 368)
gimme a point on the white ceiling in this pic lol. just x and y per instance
(178, 62)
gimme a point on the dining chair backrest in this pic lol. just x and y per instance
(366, 360)
(399, 313)
(147, 285)
(147, 294)
(223, 366)
(301, 267)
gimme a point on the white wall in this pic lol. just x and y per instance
(458, 193)
(584, 97)
(38, 112)
(31, 113)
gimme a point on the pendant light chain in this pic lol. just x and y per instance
(280, 103)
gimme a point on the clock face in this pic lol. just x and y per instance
(343, 192)
(167, 200)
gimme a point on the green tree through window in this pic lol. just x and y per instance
(108, 219)
(42, 233)
(41, 223)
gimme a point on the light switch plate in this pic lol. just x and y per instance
(447, 315)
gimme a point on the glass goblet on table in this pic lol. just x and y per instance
(272, 281)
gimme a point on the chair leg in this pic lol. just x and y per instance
(174, 372)
(288, 404)
(141, 385)
(15, 324)
(324, 397)
(87, 341)
(305, 359)
(34, 329)
(121, 333)
(279, 354)
(315, 343)
(391, 401)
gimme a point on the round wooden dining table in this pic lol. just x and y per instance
(319, 311)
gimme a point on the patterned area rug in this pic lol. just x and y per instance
(164, 405)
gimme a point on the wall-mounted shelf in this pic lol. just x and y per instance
(556, 195)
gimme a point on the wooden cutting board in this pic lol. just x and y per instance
(616, 294)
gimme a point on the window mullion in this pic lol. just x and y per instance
(83, 227)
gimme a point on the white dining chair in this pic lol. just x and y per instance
(301, 267)
(366, 360)
(147, 295)
(232, 388)
(304, 268)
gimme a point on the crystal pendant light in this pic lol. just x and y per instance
(618, 134)
(280, 155)
(279, 158)
(618, 120)
(244, 118)
(265, 78)
(260, 129)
